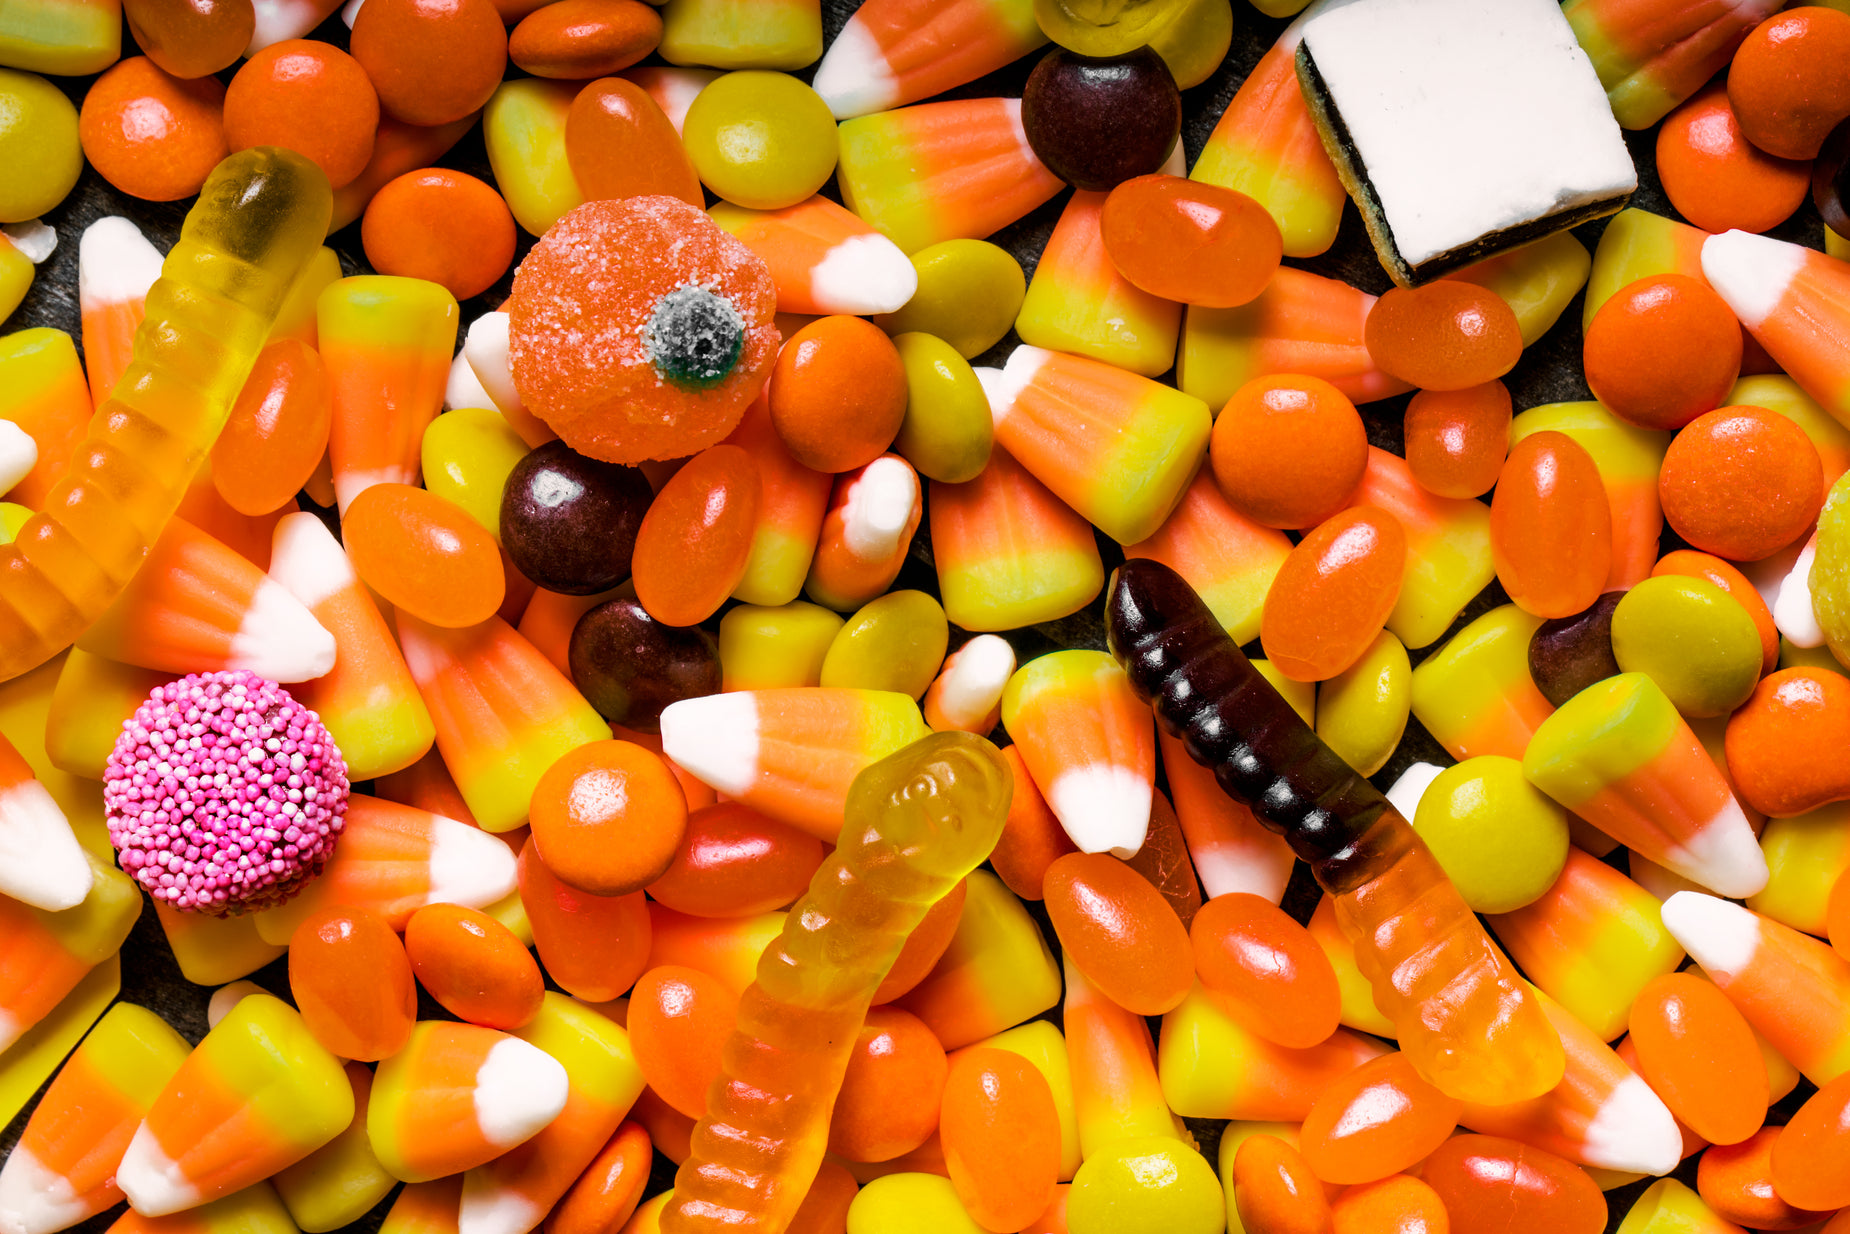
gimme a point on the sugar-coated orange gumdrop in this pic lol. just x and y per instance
(639, 330)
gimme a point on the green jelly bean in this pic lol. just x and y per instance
(1691, 638)
(763, 648)
(1362, 711)
(467, 455)
(40, 158)
(894, 643)
(970, 292)
(947, 432)
(761, 140)
(1502, 841)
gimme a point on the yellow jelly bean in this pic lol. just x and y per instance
(1500, 839)
(1693, 639)
(1146, 1185)
(909, 1204)
(38, 146)
(947, 432)
(896, 642)
(764, 648)
(467, 455)
(1302, 695)
(761, 140)
(1362, 711)
(970, 292)
(523, 127)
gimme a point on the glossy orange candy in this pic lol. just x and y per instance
(1190, 242)
(1265, 970)
(621, 144)
(892, 1090)
(1697, 1052)
(1120, 932)
(1789, 82)
(309, 97)
(1001, 1134)
(608, 817)
(1333, 594)
(1719, 180)
(679, 1020)
(925, 946)
(424, 554)
(1741, 482)
(277, 432)
(1785, 744)
(191, 38)
(1491, 1185)
(824, 1209)
(696, 539)
(1376, 1121)
(1397, 1205)
(610, 1188)
(474, 966)
(838, 394)
(593, 946)
(1551, 526)
(432, 61)
(151, 135)
(1288, 451)
(440, 225)
(1691, 564)
(1811, 1156)
(1275, 1191)
(735, 862)
(1736, 1180)
(1457, 439)
(1446, 335)
(1662, 351)
(579, 39)
(1032, 837)
(352, 983)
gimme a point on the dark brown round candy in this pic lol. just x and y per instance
(1568, 654)
(570, 522)
(630, 666)
(1097, 123)
(1830, 180)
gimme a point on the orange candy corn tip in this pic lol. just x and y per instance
(115, 268)
(41, 863)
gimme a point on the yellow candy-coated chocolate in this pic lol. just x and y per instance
(947, 432)
(970, 292)
(910, 1204)
(467, 455)
(1501, 840)
(896, 642)
(1362, 711)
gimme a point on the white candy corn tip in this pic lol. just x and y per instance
(1633, 1132)
(1004, 385)
(350, 12)
(19, 454)
(488, 1207)
(1792, 608)
(1720, 936)
(674, 90)
(975, 677)
(307, 561)
(278, 20)
(714, 739)
(468, 866)
(486, 349)
(879, 508)
(228, 996)
(153, 1182)
(863, 274)
(34, 1199)
(115, 264)
(41, 862)
(465, 389)
(280, 639)
(34, 238)
(10, 1028)
(1411, 787)
(854, 78)
(1751, 272)
(1103, 809)
(1723, 855)
(519, 1089)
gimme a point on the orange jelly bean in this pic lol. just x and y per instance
(1457, 439)
(593, 946)
(1001, 1134)
(1446, 335)
(679, 1020)
(277, 432)
(1333, 594)
(432, 61)
(1697, 1052)
(735, 862)
(1736, 1180)
(352, 983)
(1032, 837)
(1265, 970)
(474, 966)
(1690, 564)
(309, 97)
(1398, 1205)
(424, 554)
(1662, 350)
(440, 225)
(1785, 744)
(1120, 932)
(610, 1188)
(1491, 1185)
(927, 943)
(579, 39)
(696, 539)
(1789, 82)
(1551, 526)
(1719, 180)
(1811, 1155)
(621, 144)
(1190, 242)
(1274, 1190)
(191, 38)
(1741, 482)
(892, 1090)
(838, 394)
(1288, 451)
(824, 1209)
(151, 135)
(608, 817)
(1376, 1121)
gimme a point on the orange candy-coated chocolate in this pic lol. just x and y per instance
(1741, 482)
(1001, 1134)
(1397, 1205)
(191, 38)
(1785, 744)
(1376, 1121)
(1120, 932)
(153, 136)
(440, 225)
(1736, 1180)
(1189, 241)
(278, 430)
(1265, 970)
(352, 983)
(892, 1090)
(1333, 594)
(432, 61)
(1698, 1053)
(679, 1018)
(838, 394)
(696, 539)
(1811, 1156)
(1446, 335)
(579, 39)
(608, 817)
(1491, 1185)
(621, 144)
(593, 946)
(925, 946)
(1662, 351)
(424, 554)
(1719, 180)
(1551, 526)
(1457, 439)
(1691, 564)
(610, 1188)
(309, 97)
(1288, 451)
(735, 862)
(474, 966)
(1275, 1191)
(1789, 82)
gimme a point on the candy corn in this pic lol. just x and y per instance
(1637, 244)
(339, 1182)
(1792, 299)
(894, 52)
(996, 973)
(743, 34)
(1475, 695)
(1116, 1092)
(1227, 558)
(823, 258)
(1230, 849)
(1651, 56)
(789, 753)
(47, 954)
(1078, 302)
(214, 950)
(523, 127)
(64, 37)
(967, 695)
(1448, 548)
(41, 864)
(42, 390)
(115, 268)
(23, 246)
(1628, 459)
(254, 1210)
(793, 504)
(287, 19)
(865, 534)
(486, 349)
(1536, 280)
(425, 1208)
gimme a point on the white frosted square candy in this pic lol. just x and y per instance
(1462, 128)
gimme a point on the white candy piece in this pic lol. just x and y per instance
(19, 454)
(33, 238)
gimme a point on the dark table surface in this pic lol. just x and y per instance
(1548, 372)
